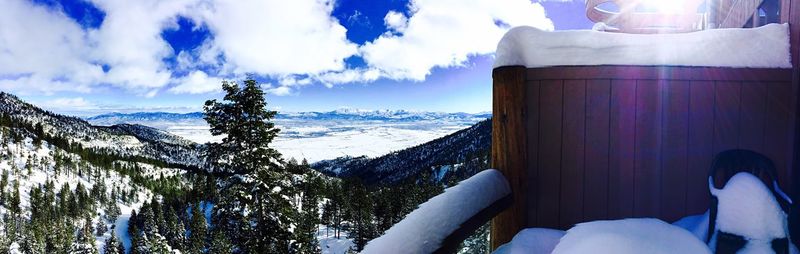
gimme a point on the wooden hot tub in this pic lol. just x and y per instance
(581, 143)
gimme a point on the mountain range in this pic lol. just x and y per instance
(124, 140)
(340, 114)
(463, 152)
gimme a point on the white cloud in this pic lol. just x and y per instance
(279, 91)
(68, 103)
(39, 84)
(396, 21)
(444, 33)
(39, 42)
(53, 52)
(129, 41)
(276, 37)
(295, 42)
(363, 75)
(197, 82)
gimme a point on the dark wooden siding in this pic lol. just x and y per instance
(626, 141)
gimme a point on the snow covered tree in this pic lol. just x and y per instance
(157, 244)
(360, 213)
(32, 242)
(256, 180)
(175, 229)
(3, 184)
(308, 221)
(220, 244)
(113, 245)
(14, 200)
(84, 243)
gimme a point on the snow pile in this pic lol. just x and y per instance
(762, 47)
(632, 236)
(696, 224)
(423, 230)
(747, 208)
(532, 241)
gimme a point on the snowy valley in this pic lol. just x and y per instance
(317, 136)
(121, 188)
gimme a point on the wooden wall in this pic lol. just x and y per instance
(608, 142)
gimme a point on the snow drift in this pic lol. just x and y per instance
(632, 236)
(763, 47)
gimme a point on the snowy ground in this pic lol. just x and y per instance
(329, 244)
(317, 140)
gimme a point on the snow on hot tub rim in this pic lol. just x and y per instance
(762, 47)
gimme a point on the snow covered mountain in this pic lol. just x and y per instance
(340, 114)
(69, 185)
(453, 156)
(120, 140)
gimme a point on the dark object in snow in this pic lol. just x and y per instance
(726, 165)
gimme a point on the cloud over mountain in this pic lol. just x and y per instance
(45, 49)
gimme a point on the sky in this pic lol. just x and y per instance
(87, 57)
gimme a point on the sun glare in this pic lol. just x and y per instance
(665, 6)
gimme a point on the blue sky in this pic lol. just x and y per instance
(86, 57)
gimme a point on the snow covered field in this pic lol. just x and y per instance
(322, 138)
(330, 244)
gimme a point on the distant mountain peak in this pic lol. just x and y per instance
(338, 114)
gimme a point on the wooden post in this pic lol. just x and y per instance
(509, 148)
(790, 13)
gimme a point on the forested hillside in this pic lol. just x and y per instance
(69, 187)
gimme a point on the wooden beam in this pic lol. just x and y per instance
(509, 148)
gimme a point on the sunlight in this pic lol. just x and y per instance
(665, 6)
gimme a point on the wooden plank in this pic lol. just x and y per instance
(778, 133)
(647, 166)
(595, 195)
(660, 72)
(532, 127)
(727, 96)
(674, 142)
(572, 155)
(509, 146)
(622, 112)
(751, 117)
(550, 115)
(701, 138)
(790, 13)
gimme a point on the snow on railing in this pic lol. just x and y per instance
(425, 229)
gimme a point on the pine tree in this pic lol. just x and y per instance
(84, 243)
(174, 229)
(14, 201)
(306, 230)
(3, 184)
(32, 242)
(258, 181)
(113, 245)
(220, 244)
(198, 231)
(157, 244)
